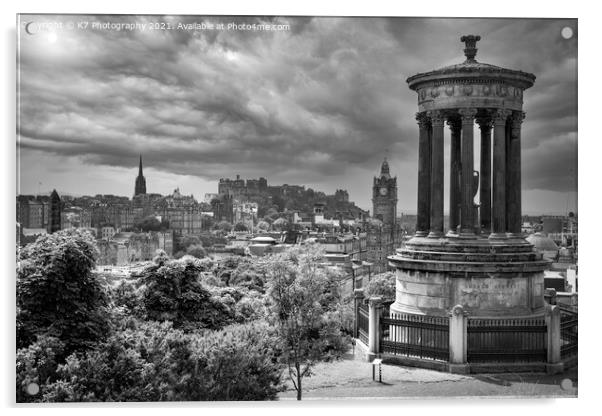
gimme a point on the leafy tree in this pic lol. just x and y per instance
(224, 269)
(272, 214)
(197, 251)
(172, 292)
(57, 292)
(151, 223)
(209, 240)
(160, 257)
(249, 273)
(280, 224)
(308, 327)
(187, 241)
(128, 296)
(239, 226)
(224, 226)
(381, 285)
(263, 225)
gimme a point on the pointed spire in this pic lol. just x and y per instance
(140, 181)
(384, 169)
(54, 196)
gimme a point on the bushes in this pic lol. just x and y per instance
(158, 363)
(37, 364)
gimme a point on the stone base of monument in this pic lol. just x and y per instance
(489, 290)
(488, 277)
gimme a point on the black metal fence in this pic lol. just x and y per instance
(489, 340)
(568, 333)
(415, 336)
(506, 340)
(363, 322)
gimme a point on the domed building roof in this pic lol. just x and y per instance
(471, 69)
(543, 243)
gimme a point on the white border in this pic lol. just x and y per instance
(589, 186)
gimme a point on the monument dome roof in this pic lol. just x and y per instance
(471, 69)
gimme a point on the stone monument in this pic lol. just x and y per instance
(483, 262)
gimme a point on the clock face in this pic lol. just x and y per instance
(383, 191)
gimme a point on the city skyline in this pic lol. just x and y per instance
(317, 105)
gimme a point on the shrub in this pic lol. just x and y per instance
(37, 364)
(158, 363)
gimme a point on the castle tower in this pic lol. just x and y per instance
(384, 196)
(54, 223)
(140, 181)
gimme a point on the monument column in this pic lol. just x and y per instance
(467, 209)
(499, 174)
(485, 175)
(437, 121)
(423, 222)
(513, 166)
(454, 174)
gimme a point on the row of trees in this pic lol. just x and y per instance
(182, 329)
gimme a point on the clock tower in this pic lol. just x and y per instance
(384, 196)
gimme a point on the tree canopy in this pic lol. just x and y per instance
(309, 326)
(57, 292)
(381, 285)
(151, 223)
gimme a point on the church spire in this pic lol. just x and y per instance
(140, 188)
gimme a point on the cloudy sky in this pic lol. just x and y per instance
(319, 104)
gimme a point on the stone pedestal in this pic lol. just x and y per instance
(458, 341)
(486, 277)
(375, 304)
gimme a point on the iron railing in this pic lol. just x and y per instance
(363, 322)
(506, 340)
(568, 332)
(415, 336)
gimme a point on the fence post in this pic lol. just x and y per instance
(549, 296)
(458, 338)
(554, 365)
(374, 327)
(358, 297)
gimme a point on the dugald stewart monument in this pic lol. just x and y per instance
(482, 262)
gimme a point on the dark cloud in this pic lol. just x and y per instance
(305, 106)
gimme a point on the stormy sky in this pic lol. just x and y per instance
(318, 104)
